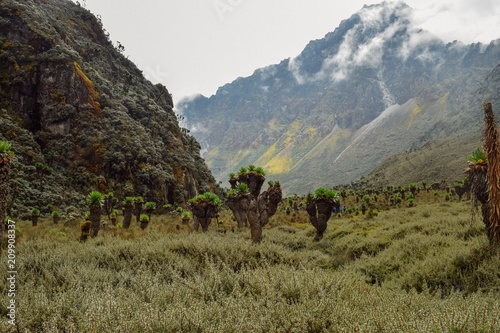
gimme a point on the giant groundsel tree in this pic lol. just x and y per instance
(248, 205)
(484, 175)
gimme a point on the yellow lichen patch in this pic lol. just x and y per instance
(271, 123)
(293, 128)
(287, 142)
(268, 155)
(282, 162)
(415, 112)
(93, 95)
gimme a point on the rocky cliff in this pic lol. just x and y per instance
(375, 86)
(79, 113)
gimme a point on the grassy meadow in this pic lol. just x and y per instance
(426, 268)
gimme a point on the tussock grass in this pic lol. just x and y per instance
(421, 269)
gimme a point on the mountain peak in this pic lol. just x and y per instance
(363, 40)
(375, 86)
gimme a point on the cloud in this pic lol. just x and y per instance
(364, 44)
(464, 20)
(410, 31)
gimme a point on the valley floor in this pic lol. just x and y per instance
(421, 269)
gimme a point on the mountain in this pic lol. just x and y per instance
(376, 86)
(78, 113)
(437, 160)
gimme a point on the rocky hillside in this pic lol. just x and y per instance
(442, 159)
(374, 87)
(78, 113)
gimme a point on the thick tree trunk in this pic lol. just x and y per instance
(492, 151)
(149, 213)
(144, 224)
(238, 206)
(55, 219)
(127, 216)
(85, 229)
(254, 219)
(34, 220)
(203, 214)
(256, 210)
(138, 211)
(320, 211)
(95, 218)
(479, 190)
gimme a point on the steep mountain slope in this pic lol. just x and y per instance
(439, 159)
(375, 86)
(72, 102)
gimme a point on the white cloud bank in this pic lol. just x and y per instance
(416, 27)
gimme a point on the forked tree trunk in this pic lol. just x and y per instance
(320, 211)
(203, 214)
(255, 211)
(239, 207)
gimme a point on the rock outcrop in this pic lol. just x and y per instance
(73, 103)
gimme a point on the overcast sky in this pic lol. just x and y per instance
(195, 46)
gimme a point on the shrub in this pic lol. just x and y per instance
(478, 156)
(5, 152)
(207, 197)
(95, 199)
(128, 201)
(326, 194)
(150, 205)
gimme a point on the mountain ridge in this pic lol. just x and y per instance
(373, 60)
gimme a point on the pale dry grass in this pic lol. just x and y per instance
(422, 269)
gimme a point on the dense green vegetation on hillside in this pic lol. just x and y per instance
(426, 268)
(78, 113)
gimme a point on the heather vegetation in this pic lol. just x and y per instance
(393, 258)
(96, 145)
(427, 268)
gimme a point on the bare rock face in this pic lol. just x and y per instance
(336, 111)
(72, 101)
